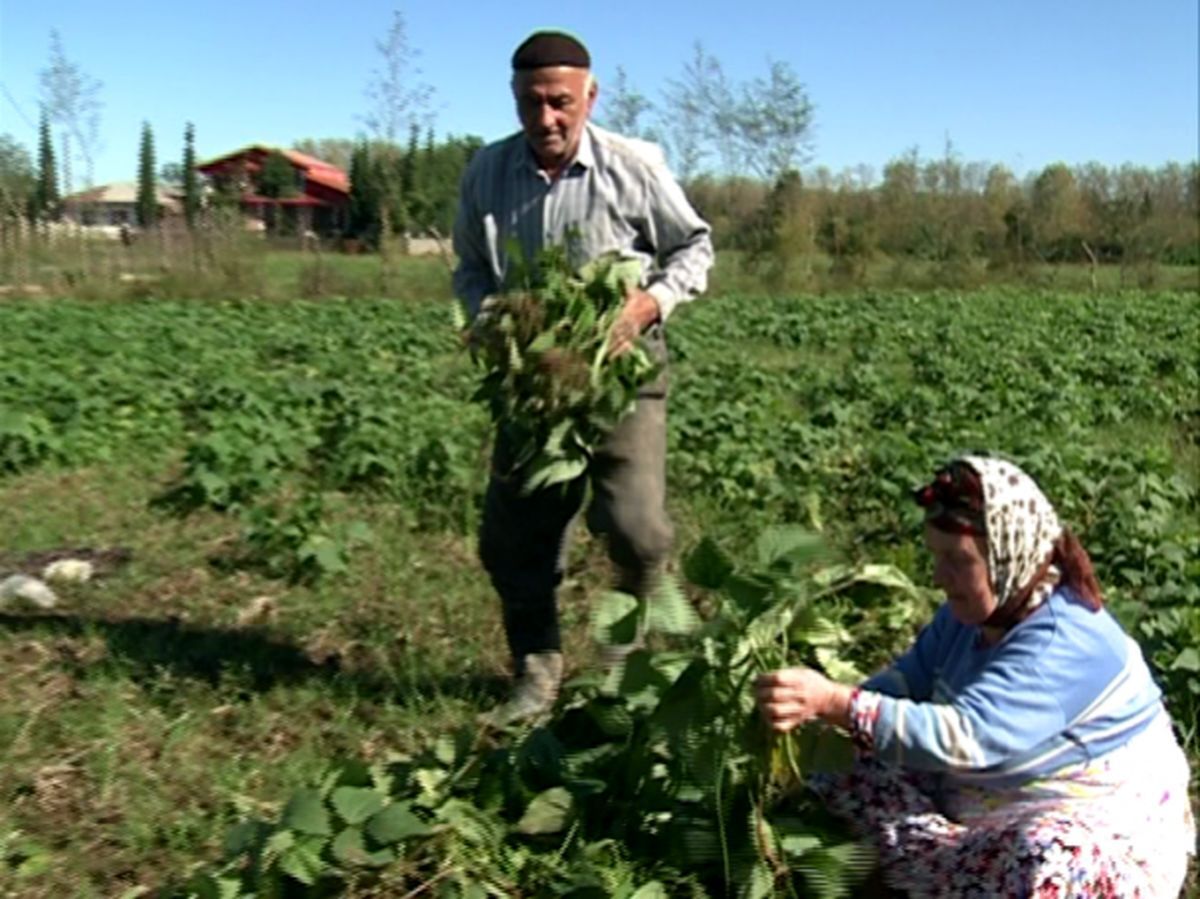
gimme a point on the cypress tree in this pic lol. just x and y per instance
(363, 220)
(147, 192)
(413, 172)
(45, 199)
(191, 186)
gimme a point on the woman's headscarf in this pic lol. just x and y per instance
(1029, 552)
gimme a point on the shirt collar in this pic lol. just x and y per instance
(585, 156)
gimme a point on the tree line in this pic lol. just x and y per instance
(946, 210)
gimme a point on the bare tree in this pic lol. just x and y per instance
(398, 96)
(760, 127)
(684, 113)
(771, 122)
(71, 99)
(624, 106)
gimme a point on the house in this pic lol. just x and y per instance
(318, 201)
(115, 205)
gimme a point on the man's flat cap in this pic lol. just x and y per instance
(551, 48)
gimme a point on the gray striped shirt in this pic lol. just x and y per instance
(617, 195)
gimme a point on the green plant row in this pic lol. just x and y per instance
(654, 778)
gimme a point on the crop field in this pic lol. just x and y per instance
(270, 686)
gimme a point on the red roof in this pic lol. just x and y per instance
(330, 177)
(314, 169)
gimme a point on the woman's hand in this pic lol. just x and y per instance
(793, 696)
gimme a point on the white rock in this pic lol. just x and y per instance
(75, 571)
(69, 570)
(30, 589)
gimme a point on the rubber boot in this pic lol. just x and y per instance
(534, 692)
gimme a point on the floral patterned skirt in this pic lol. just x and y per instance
(1064, 837)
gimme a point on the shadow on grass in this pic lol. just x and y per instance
(142, 648)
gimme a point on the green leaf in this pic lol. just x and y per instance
(356, 804)
(548, 812)
(563, 471)
(209, 886)
(471, 824)
(836, 667)
(652, 890)
(612, 716)
(810, 628)
(669, 611)
(747, 592)
(707, 565)
(797, 844)
(303, 862)
(684, 701)
(430, 781)
(833, 871)
(791, 545)
(349, 848)
(445, 750)
(243, 837)
(359, 532)
(395, 823)
(698, 839)
(541, 753)
(305, 812)
(614, 619)
(328, 555)
(885, 576)
(1187, 660)
(349, 773)
(640, 682)
(760, 884)
(278, 843)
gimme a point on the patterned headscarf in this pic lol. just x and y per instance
(996, 500)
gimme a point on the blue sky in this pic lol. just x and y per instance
(1020, 83)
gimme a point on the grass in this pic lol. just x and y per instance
(139, 718)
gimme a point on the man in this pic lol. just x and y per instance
(560, 176)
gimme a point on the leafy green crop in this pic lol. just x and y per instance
(550, 382)
(655, 775)
(820, 410)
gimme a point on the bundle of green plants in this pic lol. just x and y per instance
(551, 382)
(654, 779)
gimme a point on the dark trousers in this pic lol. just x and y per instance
(523, 539)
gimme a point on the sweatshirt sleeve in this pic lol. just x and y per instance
(911, 675)
(1003, 711)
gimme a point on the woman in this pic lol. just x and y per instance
(1020, 747)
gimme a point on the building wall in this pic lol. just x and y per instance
(101, 213)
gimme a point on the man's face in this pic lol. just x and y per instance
(553, 104)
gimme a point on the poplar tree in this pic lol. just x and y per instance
(44, 203)
(191, 186)
(147, 192)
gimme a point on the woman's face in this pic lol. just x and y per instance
(960, 570)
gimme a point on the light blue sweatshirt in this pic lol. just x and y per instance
(1064, 686)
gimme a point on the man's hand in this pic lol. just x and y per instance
(472, 335)
(793, 696)
(639, 313)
